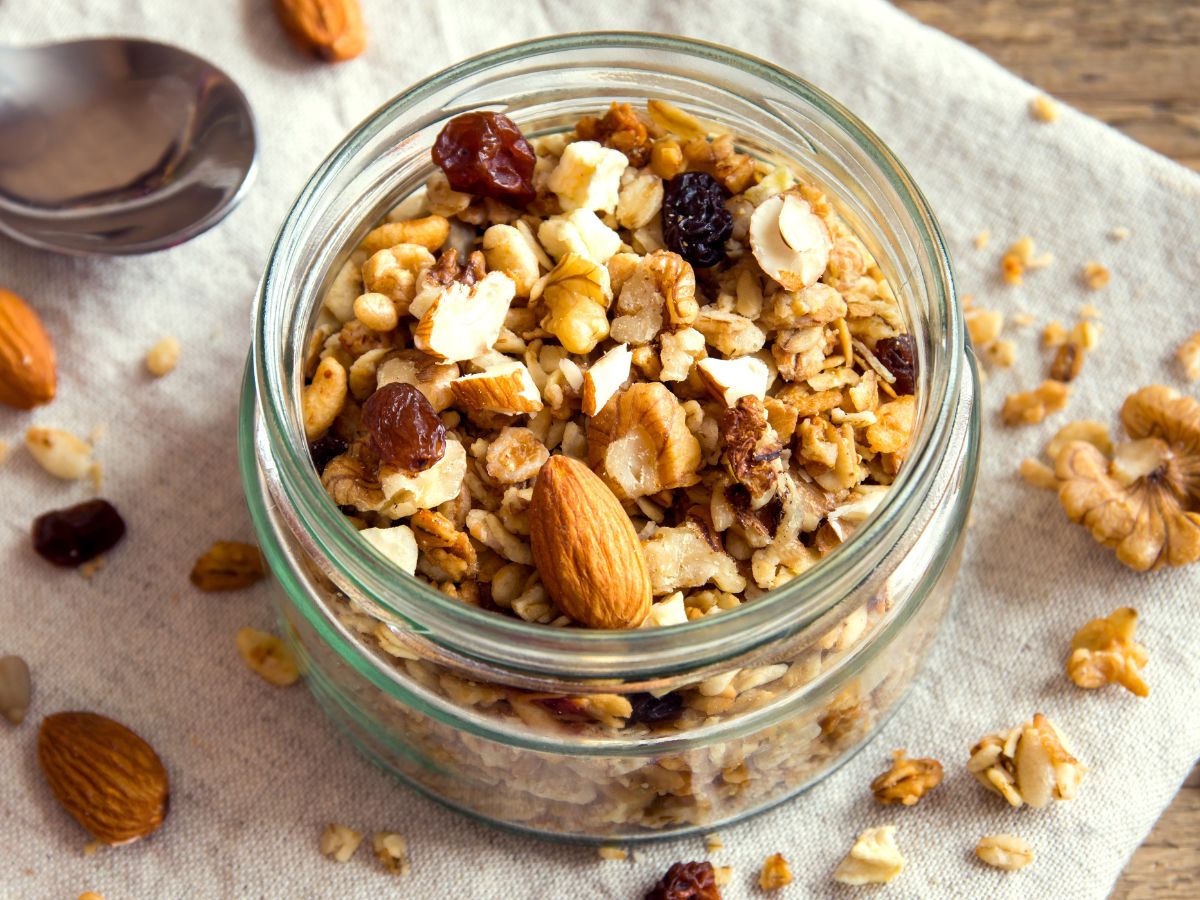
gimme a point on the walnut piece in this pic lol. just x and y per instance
(1143, 502)
(1027, 765)
(391, 850)
(443, 545)
(775, 873)
(751, 449)
(577, 294)
(874, 858)
(1004, 851)
(639, 443)
(515, 455)
(908, 780)
(1031, 407)
(685, 557)
(1104, 652)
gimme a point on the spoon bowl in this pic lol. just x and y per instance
(118, 146)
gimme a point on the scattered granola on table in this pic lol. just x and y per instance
(339, 842)
(1143, 500)
(1032, 407)
(1104, 652)
(268, 656)
(163, 357)
(16, 687)
(874, 858)
(775, 873)
(391, 849)
(612, 853)
(59, 452)
(228, 566)
(1043, 109)
(1188, 355)
(1004, 851)
(1095, 276)
(1021, 258)
(908, 780)
(1027, 765)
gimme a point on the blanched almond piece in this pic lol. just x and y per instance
(790, 242)
(605, 378)
(464, 322)
(586, 551)
(731, 379)
(507, 389)
(396, 543)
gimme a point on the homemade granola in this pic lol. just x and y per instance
(703, 333)
(1028, 764)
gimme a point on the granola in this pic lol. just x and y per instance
(1028, 764)
(908, 780)
(1004, 851)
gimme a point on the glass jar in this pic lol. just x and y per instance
(607, 735)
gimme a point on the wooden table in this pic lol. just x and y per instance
(1136, 65)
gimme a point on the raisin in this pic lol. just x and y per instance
(687, 881)
(651, 710)
(484, 153)
(72, 536)
(325, 448)
(896, 354)
(405, 431)
(695, 222)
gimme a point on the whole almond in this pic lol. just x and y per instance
(109, 779)
(332, 30)
(586, 551)
(27, 369)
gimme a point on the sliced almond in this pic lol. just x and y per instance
(790, 242)
(464, 322)
(586, 551)
(605, 378)
(731, 379)
(506, 388)
(397, 543)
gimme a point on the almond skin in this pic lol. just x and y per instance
(586, 551)
(331, 30)
(109, 779)
(27, 368)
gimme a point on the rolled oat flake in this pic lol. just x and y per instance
(15, 688)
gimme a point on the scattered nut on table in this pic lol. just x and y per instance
(339, 842)
(392, 850)
(908, 780)
(1104, 652)
(1027, 765)
(59, 452)
(163, 357)
(1004, 851)
(775, 873)
(228, 566)
(874, 858)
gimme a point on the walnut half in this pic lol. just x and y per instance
(1104, 652)
(908, 780)
(1143, 502)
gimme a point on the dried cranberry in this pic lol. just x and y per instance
(72, 536)
(651, 710)
(695, 222)
(405, 430)
(896, 354)
(325, 448)
(686, 881)
(484, 153)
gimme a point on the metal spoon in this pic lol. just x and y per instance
(118, 146)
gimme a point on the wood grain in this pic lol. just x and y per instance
(1136, 65)
(1132, 63)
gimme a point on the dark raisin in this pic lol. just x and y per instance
(72, 536)
(325, 448)
(695, 222)
(687, 881)
(896, 354)
(651, 710)
(484, 153)
(405, 430)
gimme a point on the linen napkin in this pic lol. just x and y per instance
(257, 771)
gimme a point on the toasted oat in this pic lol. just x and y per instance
(1095, 276)
(612, 853)
(1004, 851)
(392, 851)
(1043, 109)
(775, 873)
(908, 780)
(983, 239)
(1031, 407)
(339, 842)
(712, 840)
(268, 656)
(1188, 355)
(1104, 652)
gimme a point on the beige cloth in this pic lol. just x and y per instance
(257, 771)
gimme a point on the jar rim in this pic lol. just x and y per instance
(594, 653)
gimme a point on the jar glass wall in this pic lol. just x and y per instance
(518, 723)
